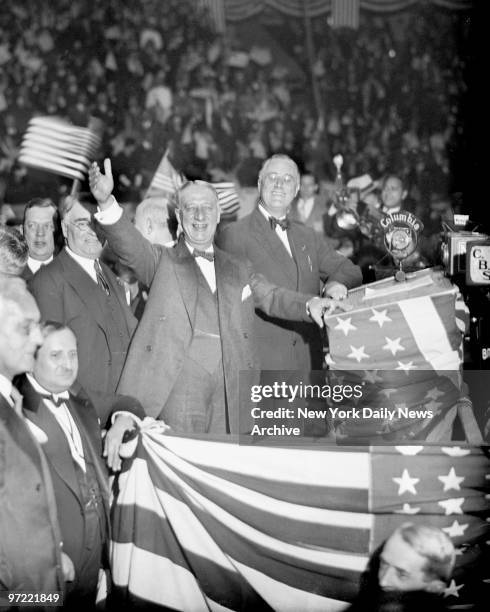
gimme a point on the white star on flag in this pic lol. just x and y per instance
(380, 317)
(434, 393)
(406, 483)
(452, 505)
(345, 325)
(408, 509)
(409, 450)
(456, 530)
(388, 392)
(455, 451)
(451, 481)
(452, 589)
(406, 367)
(371, 376)
(393, 345)
(357, 353)
(433, 405)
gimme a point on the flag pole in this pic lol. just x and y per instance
(310, 49)
(75, 188)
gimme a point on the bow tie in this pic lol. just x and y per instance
(208, 256)
(61, 399)
(283, 223)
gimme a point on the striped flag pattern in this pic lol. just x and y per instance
(227, 198)
(345, 14)
(216, 9)
(403, 342)
(54, 145)
(166, 179)
(207, 524)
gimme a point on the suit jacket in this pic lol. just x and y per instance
(30, 539)
(65, 293)
(61, 464)
(164, 334)
(288, 345)
(317, 217)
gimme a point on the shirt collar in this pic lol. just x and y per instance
(5, 387)
(267, 214)
(190, 248)
(35, 264)
(40, 389)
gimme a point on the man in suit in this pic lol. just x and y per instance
(196, 333)
(72, 445)
(42, 231)
(310, 207)
(31, 557)
(291, 255)
(78, 290)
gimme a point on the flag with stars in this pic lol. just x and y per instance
(403, 343)
(203, 523)
(166, 180)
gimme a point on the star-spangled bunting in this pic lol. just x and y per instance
(452, 506)
(284, 502)
(345, 325)
(358, 353)
(380, 317)
(406, 483)
(393, 345)
(451, 481)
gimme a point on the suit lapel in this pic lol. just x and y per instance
(19, 431)
(269, 241)
(56, 448)
(118, 291)
(186, 271)
(82, 284)
(226, 286)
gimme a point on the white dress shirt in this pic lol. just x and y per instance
(282, 233)
(85, 262)
(6, 389)
(206, 267)
(65, 421)
(35, 264)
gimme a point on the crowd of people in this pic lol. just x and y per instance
(158, 76)
(161, 322)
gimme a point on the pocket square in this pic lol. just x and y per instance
(37, 432)
(246, 292)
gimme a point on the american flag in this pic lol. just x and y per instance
(208, 524)
(54, 145)
(166, 180)
(345, 14)
(403, 341)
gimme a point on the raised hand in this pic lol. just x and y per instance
(101, 185)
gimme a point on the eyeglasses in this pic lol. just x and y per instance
(286, 179)
(83, 225)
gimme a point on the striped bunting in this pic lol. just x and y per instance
(196, 526)
(345, 14)
(54, 145)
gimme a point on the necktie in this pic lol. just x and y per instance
(57, 401)
(101, 280)
(283, 223)
(16, 398)
(204, 254)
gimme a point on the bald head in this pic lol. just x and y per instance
(155, 219)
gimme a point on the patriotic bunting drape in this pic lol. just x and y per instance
(207, 524)
(236, 10)
(54, 145)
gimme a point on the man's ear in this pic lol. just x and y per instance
(148, 226)
(64, 230)
(435, 586)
